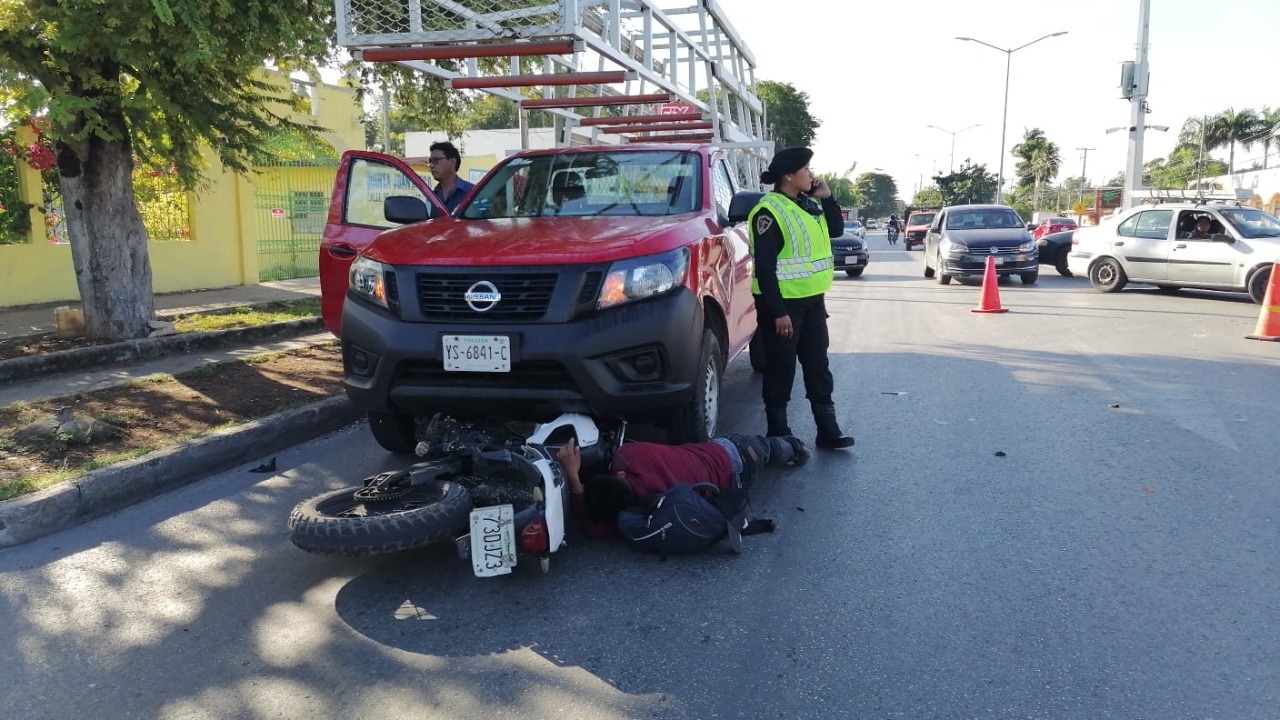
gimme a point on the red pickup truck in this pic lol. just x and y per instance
(606, 280)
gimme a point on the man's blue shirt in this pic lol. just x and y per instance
(460, 190)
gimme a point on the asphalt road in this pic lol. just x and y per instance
(1118, 561)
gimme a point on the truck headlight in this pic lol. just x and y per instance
(640, 278)
(369, 280)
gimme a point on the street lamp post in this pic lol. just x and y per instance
(953, 141)
(1004, 123)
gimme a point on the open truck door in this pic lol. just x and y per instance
(365, 180)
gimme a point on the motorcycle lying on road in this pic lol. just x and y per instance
(496, 493)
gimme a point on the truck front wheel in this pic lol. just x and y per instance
(393, 431)
(699, 418)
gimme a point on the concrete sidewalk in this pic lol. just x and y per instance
(37, 319)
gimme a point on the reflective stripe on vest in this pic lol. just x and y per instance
(805, 265)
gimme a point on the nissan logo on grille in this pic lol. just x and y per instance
(483, 296)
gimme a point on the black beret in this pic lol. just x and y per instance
(786, 162)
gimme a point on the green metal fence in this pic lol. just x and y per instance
(291, 204)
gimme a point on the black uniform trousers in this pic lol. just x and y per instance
(808, 343)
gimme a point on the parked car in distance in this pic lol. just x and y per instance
(853, 227)
(871, 225)
(604, 280)
(850, 254)
(917, 227)
(962, 237)
(1054, 249)
(1053, 225)
(1168, 246)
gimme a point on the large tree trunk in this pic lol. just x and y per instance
(108, 239)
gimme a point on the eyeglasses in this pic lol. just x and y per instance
(431, 161)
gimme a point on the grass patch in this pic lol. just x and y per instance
(249, 316)
(28, 484)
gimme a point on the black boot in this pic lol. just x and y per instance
(829, 434)
(776, 417)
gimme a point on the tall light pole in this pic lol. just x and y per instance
(1004, 124)
(953, 141)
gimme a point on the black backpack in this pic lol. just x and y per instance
(683, 520)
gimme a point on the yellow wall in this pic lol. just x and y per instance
(222, 251)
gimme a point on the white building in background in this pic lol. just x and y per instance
(1263, 184)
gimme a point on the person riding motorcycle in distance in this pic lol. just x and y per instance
(791, 242)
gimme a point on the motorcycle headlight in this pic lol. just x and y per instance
(640, 278)
(953, 247)
(369, 280)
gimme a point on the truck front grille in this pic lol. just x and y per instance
(525, 296)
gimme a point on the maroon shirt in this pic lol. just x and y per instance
(653, 468)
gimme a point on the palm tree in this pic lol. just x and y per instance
(1234, 127)
(1039, 162)
(1270, 118)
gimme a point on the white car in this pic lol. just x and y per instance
(853, 227)
(1180, 245)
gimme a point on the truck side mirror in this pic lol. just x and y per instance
(405, 209)
(742, 204)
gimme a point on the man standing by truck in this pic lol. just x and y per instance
(791, 242)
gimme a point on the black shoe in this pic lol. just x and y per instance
(833, 442)
(829, 435)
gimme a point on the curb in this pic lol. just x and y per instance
(128, 351)
(108, 489)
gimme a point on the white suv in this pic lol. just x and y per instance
(1180, 245)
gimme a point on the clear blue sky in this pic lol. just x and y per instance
(878, 73)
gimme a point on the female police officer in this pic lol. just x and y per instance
(791, 241)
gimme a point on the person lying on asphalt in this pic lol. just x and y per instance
(641, 469)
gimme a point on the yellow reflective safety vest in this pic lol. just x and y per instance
(805, 265)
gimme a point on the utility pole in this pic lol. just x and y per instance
(1138, 114)
(1084, 163)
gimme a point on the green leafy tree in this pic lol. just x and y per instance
(970, 184)
(146, 79)
(880, 193)
(1181, 169)
(842, 190)
(928, 197)
(787, 114)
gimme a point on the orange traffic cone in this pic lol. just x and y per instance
(1269, 319)
(990, 300)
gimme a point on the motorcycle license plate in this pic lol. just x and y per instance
(493, 540)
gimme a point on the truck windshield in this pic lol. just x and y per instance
(921, 219)
(585, 184)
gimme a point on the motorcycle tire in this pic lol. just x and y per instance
(336, 523)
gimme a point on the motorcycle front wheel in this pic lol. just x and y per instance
(340, 523)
